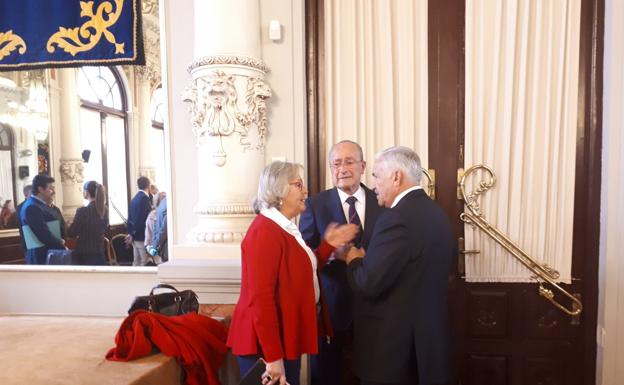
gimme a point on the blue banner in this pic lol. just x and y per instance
(69, 33)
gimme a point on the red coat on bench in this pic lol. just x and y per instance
(198, 342)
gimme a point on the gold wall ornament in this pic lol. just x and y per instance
(70, 39)
(9, 43)
(544, 274)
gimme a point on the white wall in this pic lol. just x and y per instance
(72, 290)
(610, 355)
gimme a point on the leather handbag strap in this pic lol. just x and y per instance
(163, 286)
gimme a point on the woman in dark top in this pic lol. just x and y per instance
(89, 225)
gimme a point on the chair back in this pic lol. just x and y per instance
(123, 253)
(110, 253)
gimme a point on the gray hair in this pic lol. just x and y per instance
(403, 159)
(359, 148)
(273, 184)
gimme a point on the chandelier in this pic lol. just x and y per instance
(32, 115)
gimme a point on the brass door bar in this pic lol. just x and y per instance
(544, 274)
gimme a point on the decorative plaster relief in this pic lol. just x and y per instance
(225, 209)
(149, 172)
(215, 112)
(71, 171)
(229, 60)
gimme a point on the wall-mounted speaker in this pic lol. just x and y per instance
(23, 172)
(86, 154)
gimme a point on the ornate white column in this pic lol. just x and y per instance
(227, 98)
(71, 166)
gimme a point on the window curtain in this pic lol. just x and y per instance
(521, 111)
(376, 75)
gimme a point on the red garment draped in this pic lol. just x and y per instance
(196, 341)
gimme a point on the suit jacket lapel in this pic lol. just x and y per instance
(334, 207)
(372, 212)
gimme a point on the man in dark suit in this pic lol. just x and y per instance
(37, 214)
(401, 320)
(140, 207)
(348, 202)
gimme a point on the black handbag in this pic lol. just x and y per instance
(169, 303)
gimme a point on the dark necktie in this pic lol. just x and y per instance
(355, 219)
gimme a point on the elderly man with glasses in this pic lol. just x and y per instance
(349, 201)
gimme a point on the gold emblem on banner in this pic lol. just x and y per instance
(71, 39)
(9, 43)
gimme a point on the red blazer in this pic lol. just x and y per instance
(276, 313)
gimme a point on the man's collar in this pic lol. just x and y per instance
(404, 193)
(39, 199)
(359, 194)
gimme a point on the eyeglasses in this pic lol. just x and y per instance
(297, 185)
(348, 163)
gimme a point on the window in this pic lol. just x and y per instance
(104, 139)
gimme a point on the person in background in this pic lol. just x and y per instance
(349, 201)
(18, 214)
(89, 225)
(276, 314)
(149, 232)
(160, 230)
(38, 215)
(153, 193)
(140, 207)
(7, 215)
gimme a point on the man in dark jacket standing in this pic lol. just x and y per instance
(348, 202)
(140, 207)
(43, 226)
(401, 316)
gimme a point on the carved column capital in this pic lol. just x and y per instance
(149, 172)
(71, 171)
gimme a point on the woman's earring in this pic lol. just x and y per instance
(281, 202)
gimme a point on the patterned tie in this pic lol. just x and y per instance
(355, 219)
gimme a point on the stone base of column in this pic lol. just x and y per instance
(215, 280)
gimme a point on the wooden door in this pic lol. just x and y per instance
(506, 333)
(501, 333)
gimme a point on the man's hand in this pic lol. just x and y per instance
(354, 253)
(128, 240)
(340, 235)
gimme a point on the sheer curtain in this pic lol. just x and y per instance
(376, 75)
(521, 112)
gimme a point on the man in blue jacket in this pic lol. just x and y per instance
(140, 207)
(39, 217)
(348, 202)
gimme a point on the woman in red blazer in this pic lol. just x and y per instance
(277, 314)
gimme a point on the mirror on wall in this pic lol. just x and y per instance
(80, 124)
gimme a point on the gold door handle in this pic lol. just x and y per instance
(461, 258)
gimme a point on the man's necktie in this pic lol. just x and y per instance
(355, 219)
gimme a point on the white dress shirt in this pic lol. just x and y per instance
(404, 193)
(276, 216)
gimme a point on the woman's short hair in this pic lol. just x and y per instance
(403, 159)
(273, 184)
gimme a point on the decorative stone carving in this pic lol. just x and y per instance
(214, 110)
(148, 72)
(71, 171)
(225, 209)
(229, 60)
(149, 7)
(149, 172)
(216, 236)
